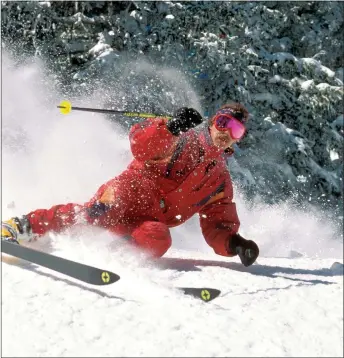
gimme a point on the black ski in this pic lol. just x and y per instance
(85, 273)
(205, 294)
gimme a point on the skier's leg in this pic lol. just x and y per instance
(117, 203)
(152, 236)
(104, 209)
(129, 206)
(126, 200)
(57, 218)
(38, 222)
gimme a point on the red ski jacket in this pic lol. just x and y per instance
(192, 177)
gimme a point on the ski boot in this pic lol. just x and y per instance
(16, 230)
(247, 250)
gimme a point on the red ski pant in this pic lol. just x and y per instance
(127, 205)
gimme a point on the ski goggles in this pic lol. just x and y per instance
(226, 122)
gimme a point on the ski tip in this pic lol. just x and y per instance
(102, 278)
(109, 277)
(204, 293)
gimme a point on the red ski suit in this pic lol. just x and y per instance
(169, 180)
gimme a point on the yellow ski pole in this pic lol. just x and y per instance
(65, 108)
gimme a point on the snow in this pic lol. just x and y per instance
(266, 96)
(288, 304)
(316, 64)
(283, 56)
(279, 307)
(308, 62)
(334, 155)
(99, 48)
(251, 51)
(306, 85)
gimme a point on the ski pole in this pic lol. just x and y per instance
(66, 107)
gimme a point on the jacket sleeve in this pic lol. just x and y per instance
(151, 140)
(219, 220)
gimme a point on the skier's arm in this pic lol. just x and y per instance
(219, 220)
(155, 138)
(151, 140)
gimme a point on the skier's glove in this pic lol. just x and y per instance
(247, 250)
(183, 119)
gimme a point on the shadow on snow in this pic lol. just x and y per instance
(256, 269)
(84, 286)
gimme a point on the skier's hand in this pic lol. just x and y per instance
(183, 119)
(247, 250)
(248, 255)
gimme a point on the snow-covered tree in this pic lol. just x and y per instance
(282, 60)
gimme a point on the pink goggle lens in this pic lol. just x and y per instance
(235, 127)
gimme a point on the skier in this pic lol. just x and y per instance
(178, 170)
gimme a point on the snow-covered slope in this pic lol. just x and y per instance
(284, 306)
(278, 307)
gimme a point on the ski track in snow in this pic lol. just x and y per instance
(278, 307)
